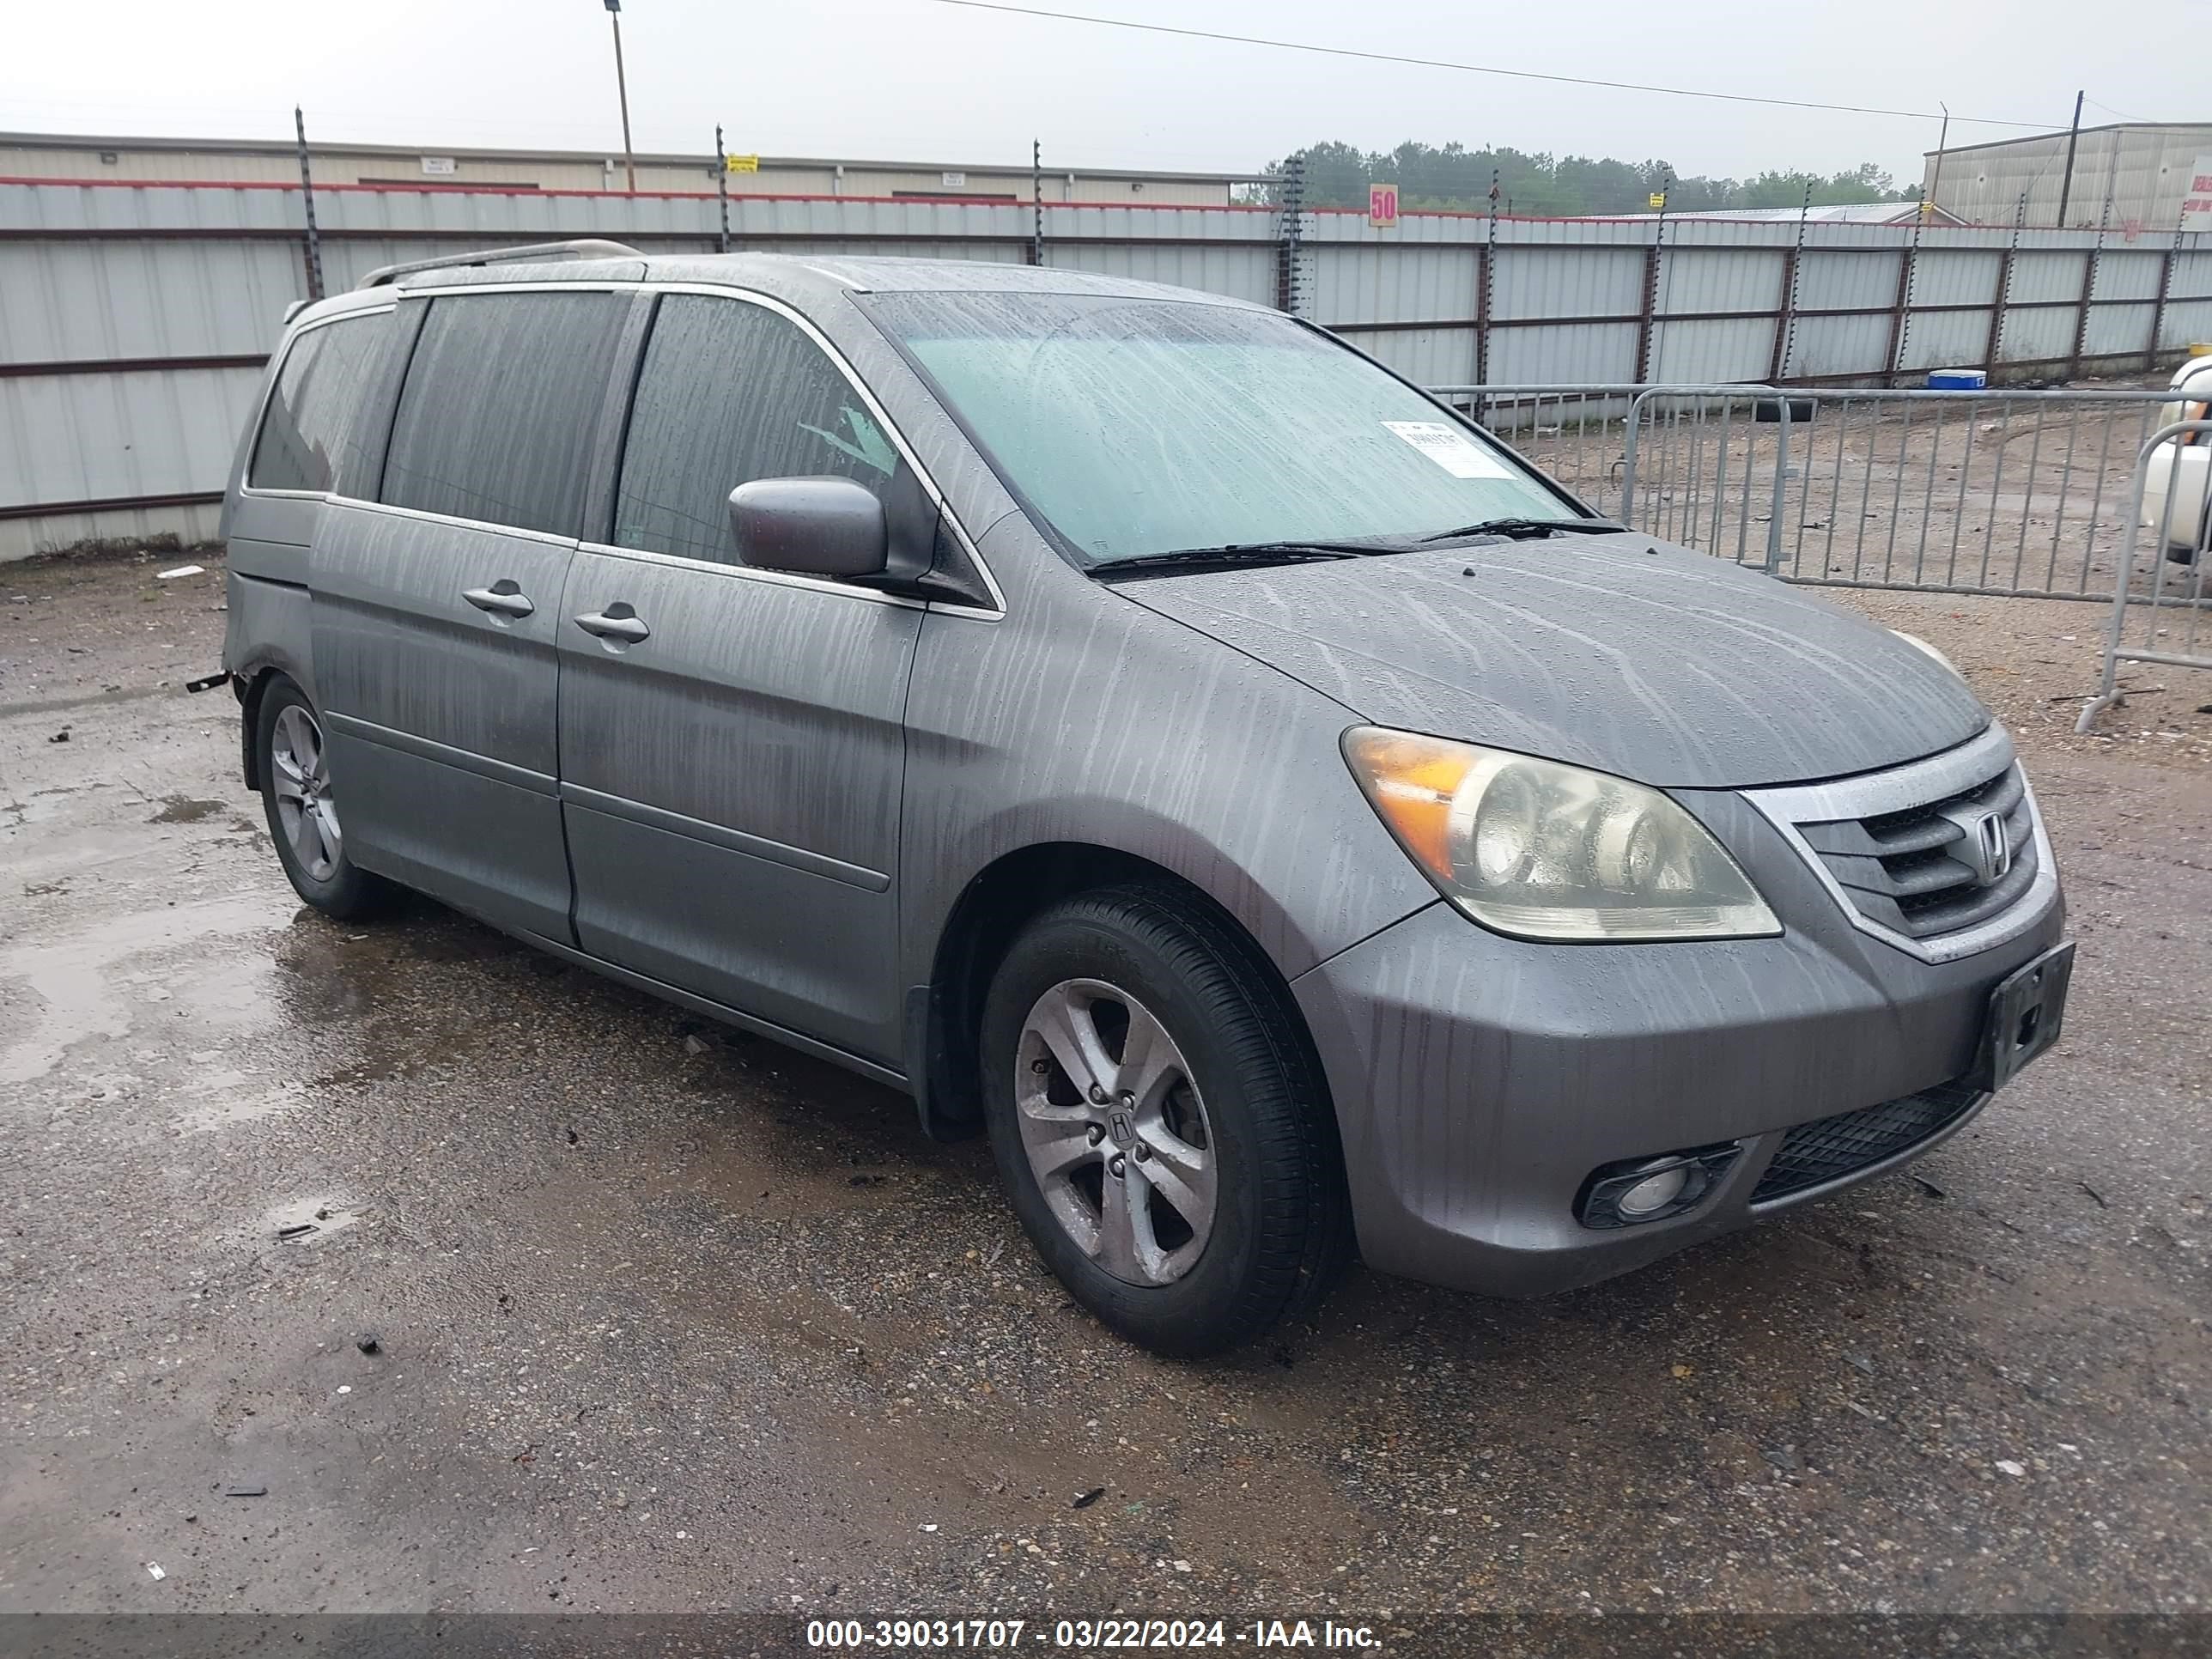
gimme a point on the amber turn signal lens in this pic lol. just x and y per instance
(1412, 782)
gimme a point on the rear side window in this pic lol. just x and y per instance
(730, 391)
(304, 432)
(494, 423)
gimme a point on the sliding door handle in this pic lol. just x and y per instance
(503, 598)
(617, 622)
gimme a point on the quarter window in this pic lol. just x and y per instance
(494, 423)
(731, 391)
(304, 436)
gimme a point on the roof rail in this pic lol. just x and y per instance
(588, 248)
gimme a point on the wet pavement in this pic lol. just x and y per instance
(488, 1284)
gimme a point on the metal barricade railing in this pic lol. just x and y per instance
(1573, 433)
(1993, 491)
(2183, 453)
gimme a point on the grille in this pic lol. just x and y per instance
(1829, 1148)
(1902, 870)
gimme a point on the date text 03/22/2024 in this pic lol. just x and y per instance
(1088, 1635)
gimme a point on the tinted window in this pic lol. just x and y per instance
(494, 421)
(730, 392)
(1149, 425)
(325, 375)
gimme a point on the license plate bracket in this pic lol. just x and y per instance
(2026, 1011)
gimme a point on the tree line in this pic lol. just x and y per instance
(1456, 178)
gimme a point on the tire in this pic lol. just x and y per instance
(296, 794)
(1234, 1090)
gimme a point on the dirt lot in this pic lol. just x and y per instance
(602, 1309)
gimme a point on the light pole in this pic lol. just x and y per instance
(2073, 137)
(1942, 143)
(622, 89)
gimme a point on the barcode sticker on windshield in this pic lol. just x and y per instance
(1450, 449)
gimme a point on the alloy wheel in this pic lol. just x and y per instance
(300, 776)
(1116, 1131)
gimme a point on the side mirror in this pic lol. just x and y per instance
(813, 526)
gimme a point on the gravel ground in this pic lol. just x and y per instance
(603, 1309)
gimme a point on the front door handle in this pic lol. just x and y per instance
(503, 597)
(617, 622)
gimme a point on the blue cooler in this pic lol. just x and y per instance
(1957, 379)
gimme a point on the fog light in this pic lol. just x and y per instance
(1637, 1190)
(1654, 1192)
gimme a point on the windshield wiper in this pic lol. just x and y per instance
(1527, 529)
(1236, 553)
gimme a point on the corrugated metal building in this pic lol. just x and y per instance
(2132, 177)
(225, 160)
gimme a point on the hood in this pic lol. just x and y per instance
(1633, 657)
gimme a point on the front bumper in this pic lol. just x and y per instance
(1480, 1080)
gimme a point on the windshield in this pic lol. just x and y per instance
(1138, 426)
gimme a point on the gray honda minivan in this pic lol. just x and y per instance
(1145, 729)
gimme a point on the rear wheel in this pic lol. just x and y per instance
(1164, 1135)
(294, 764)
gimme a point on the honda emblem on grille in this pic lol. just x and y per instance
(1987, 846)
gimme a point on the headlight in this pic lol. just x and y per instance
(1919, 644)
(1539, 850)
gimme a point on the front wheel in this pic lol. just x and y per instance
(1164, 1135)
(294, 765)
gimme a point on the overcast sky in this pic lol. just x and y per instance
(918, 80)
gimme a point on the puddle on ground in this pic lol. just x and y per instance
(226, 1097)
(238, 989)
(78, 995)
(181, 809)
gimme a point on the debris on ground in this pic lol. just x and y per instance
(1928, 1186)
(154, 1568)
(61, 736)
(1085, 1500)
(246, 1489)
(368, 1345)
(297, 1229)
(181, 570)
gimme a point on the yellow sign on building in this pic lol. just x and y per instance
(742, 163)
(1658, 201)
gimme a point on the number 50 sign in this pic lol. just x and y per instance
(1382, 206)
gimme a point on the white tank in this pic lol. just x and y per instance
(2182, 468)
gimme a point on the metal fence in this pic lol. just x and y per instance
(2019, 492)
(134, 316)
(2168, 595)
